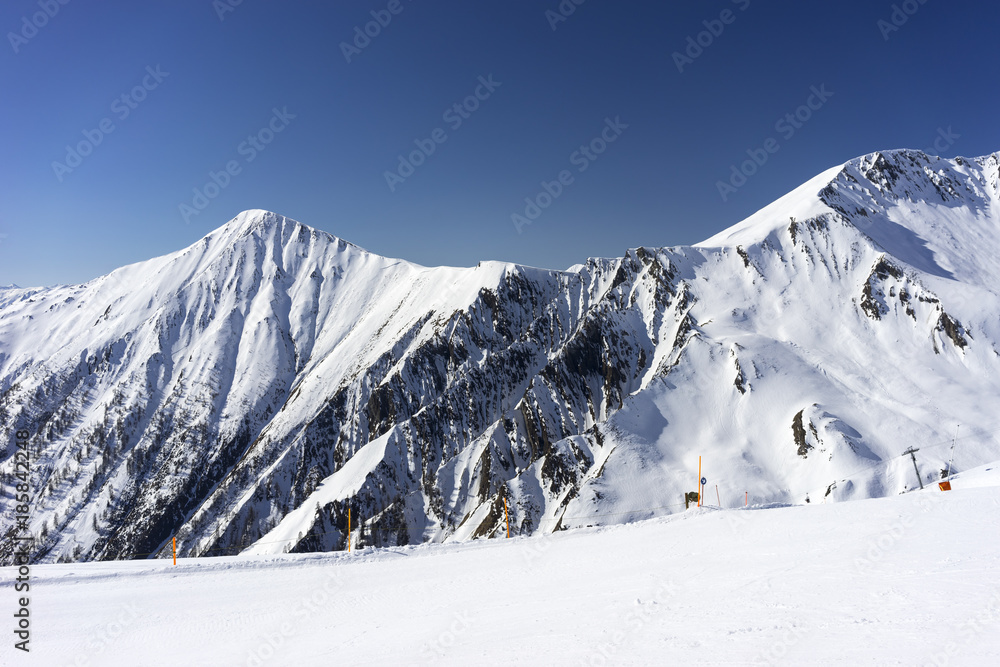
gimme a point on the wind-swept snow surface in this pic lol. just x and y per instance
(271, 388)
(907, 580)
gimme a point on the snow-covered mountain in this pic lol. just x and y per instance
(250, 391)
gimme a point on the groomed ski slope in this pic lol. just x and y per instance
(908, 580)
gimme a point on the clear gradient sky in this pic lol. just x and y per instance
(210, 75)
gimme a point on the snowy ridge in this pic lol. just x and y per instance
(246, 392)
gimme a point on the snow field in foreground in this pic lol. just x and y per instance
(911, 580)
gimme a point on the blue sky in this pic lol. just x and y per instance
(640, 137)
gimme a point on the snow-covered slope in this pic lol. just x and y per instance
(271, 384)
(908, 580)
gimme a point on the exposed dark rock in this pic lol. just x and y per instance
(799, 435)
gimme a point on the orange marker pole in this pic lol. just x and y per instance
(746, 503)
(506, 516)
(348, 530)
(175, 551)
(699, 481)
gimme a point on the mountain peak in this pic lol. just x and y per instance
(256, 219)
(267, 224)
(900, 198)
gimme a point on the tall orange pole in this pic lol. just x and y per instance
(175, 551)
(506, 516)
(699, 481)
(348, 530)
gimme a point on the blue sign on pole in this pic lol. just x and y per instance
(704, 481)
